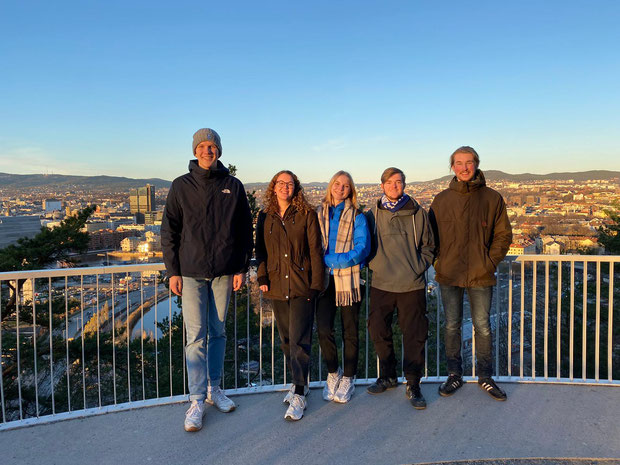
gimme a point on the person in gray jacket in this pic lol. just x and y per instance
(403, 248)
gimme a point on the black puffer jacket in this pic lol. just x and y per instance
(289, 254)
(206, 230)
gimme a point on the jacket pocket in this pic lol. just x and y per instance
(300, 279)
(488, 263)
(272, 266)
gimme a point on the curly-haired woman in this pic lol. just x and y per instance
(346, 241)
(290, 272)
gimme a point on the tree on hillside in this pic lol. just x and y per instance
(48, 246)
(609, 235)
(254, 208)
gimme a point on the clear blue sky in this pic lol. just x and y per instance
(118, 88)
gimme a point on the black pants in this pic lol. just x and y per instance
(413, 324)
(294, 318)
(349, 319)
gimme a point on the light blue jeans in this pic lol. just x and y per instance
(205, 302)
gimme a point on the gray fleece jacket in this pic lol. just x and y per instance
(403, 247)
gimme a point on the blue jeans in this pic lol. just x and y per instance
(205, 301)
(480, 304)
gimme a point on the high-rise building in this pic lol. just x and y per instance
(153, 217)
(142, 199)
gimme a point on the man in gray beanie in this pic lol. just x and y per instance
(206, 238)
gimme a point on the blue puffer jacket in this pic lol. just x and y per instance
(361, 241)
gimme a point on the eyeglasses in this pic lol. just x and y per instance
(282, 184)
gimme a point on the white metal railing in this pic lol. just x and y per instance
(77, 342)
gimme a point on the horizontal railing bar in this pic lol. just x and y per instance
(568, 258)
(91, 270)
(62, 272)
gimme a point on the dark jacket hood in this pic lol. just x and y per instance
(476, 183)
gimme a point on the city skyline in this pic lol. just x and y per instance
(118, 89)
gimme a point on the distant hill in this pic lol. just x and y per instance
(28, 181)
(495, 175)
(107, 183)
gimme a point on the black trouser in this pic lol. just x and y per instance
(349, 320)
(413, 324)
(294, 318)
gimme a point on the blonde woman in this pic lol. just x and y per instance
(290, 272)
(346, 242)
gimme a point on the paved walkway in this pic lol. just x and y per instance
(556, 421)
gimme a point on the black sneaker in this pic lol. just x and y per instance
(414, 394)
(492, 389)
(451, 385)
(382, 385)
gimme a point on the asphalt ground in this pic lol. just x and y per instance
(539, 421)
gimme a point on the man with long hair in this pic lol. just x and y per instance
(474, 234)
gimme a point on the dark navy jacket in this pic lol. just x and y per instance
(206, 230)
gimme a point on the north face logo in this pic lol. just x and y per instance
(225, 191)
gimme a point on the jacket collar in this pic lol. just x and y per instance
(476, 183)
(202, 174)
(410, 208)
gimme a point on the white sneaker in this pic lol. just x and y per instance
(331, 385)
(345, 390)
(296, 408)
(215, 396)
(291, 392)
(193, 416)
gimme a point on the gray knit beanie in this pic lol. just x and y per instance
(205, 134)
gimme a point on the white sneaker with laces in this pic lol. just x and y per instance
(215, 396)
(331, 385)
(291, 391)
(193, 416)
(296, 408)
(345, 390)
(289, 395)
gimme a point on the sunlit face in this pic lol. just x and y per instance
(341, 189)
(464, 166)
(207, 154)
(285, 187)
(394, 187)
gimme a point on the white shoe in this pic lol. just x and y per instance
(215, 396)
(345, 390)
(296, 408)
(193, 416)
(331, 385)
(291, 392)
(289, 395)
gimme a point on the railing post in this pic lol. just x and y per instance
(34, 343)
(51, 340)
(610, 322)
(597, 336)
(558, 334)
